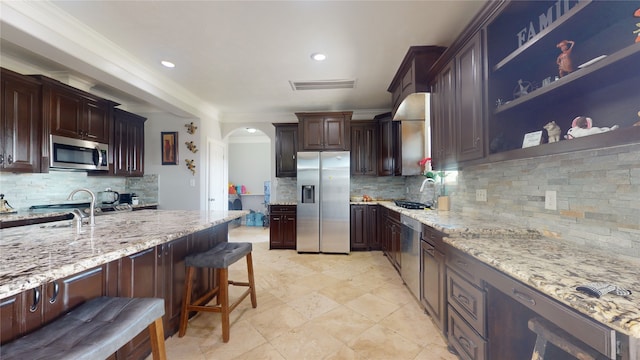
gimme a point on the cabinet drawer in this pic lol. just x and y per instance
(433, 237)
(467, 267)
(282, 209)
(468, 300)
(468, 343)
(591, 333)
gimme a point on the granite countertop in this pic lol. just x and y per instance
(555, 267)
(29, 214)
(36, 254)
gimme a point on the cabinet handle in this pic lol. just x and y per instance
(475, 143)
(523, 297)
(10, 159)
(36, 300)
(463, 299)
(293, 157)
(56, 289)
(1, 159)
(461, 263)
(465, 342)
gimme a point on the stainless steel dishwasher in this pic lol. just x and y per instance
(410, 254)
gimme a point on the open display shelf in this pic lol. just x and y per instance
(605, 90)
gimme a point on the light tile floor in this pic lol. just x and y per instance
(315, 306)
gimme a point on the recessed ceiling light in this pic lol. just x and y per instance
(168, 64)
(251, 130)
(318, 56)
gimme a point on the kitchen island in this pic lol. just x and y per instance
(510, 257)
(48, 269)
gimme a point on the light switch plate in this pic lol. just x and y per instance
(550, 200)
(481, 195)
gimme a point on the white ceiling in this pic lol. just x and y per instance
(239, 56)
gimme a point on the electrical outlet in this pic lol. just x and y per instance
(481, 195)
(192, 182)
(550, 200)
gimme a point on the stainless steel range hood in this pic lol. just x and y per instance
(413, 113)
(413, 107)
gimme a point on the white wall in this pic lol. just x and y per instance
(178, 188)
(250, 162)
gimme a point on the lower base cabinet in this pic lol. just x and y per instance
(155, 272)
(391, 236)
(364, 228)
(282, 227)
(488, 315)
(432, 277)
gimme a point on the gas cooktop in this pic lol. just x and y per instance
(412, 204)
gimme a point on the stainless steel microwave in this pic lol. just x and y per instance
(68, 153)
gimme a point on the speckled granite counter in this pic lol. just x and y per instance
(555, 268)
(456, 224)
(29, 215)
(36, 254)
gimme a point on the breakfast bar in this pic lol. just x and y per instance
(48, 269)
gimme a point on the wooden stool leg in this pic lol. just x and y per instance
(252, 286)
(539, 349)
(223, 296)
(156, 331)
(186, 300)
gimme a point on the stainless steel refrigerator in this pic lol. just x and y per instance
(323, 223)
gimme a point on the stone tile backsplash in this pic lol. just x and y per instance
(25, 190)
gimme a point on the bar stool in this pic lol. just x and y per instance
(548, 332)
(218, 258)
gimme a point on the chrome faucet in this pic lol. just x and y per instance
(92, 219)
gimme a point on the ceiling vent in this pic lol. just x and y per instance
(322, 84)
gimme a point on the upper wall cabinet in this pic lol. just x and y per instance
(411, 76)
(286, 149)
(74, 113)
(324, 130)
(389, 146)
(364, 148)
(128, 144)
(20, 123)
(556, 61)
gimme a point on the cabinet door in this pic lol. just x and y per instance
(313, 133)
(275, 231)
(139, 278)
(20, 124)
(433, 283)
(10, 326)
(389, 162)
(98, 121)
(174, 253)
(66, 113)
(358, 228)
(128, 148)
(335, 135)
(61, 296)
(364, 141)
(444, 147)
(289, 231)
(286, 150)
(469, 89)
(372, 216)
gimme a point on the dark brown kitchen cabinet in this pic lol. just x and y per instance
(411, 76)
(389, 146)
(20, 123)
(432, 276)
(364, 227)
(469, 101)
(282, 227)
(364, 148)
(31, 309)
(457, 111)
(324, 131)
(286, 149)
(74, 113)
(392, 237)
(443, 119)
(128, 144)
(140, 276)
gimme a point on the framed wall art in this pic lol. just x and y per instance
(169, 141)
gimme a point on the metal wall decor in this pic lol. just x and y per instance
(191, 129)
(191, 165)
(191, 146)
